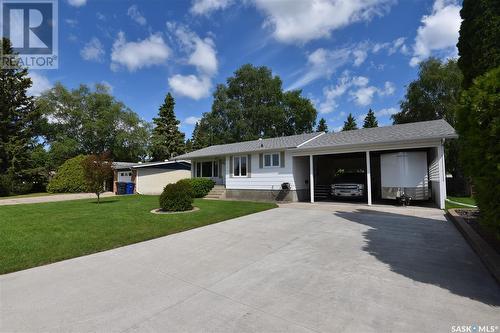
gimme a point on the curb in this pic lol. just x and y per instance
(488, 256)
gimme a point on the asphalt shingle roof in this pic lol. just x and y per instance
(425, 130)
(434, 129)
(283, 142)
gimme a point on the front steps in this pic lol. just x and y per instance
(217, 192)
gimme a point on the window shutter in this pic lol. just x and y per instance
(261, 161)
(249, 165)
(230, 166)
(282, 159)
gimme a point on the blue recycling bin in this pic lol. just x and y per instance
(130, 188)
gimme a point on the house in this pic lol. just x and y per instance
(301, 167)
(150, 177)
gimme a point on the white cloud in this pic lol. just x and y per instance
(93, 50)
(77, 3)
(389, 89)
(305, 20)
(100, 16)
(71, 22)
(190, 86)
(381, 113)
(438, 32)
(136, 55)
(332, 93)
(205, 7)
(364, 95)
(359, 57)
(39, 84)
(192, 120)
(136, 15)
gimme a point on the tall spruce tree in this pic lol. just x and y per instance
(350, 123)
(166, 141)
(18, 124)
(322, 126)
(370, 120)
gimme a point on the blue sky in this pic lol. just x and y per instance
(346, 55)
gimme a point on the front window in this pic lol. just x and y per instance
(240, 166)
(216, 168)
(206, 169)
(272, 160)
(198, 169)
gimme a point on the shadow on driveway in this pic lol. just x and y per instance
(428, 251)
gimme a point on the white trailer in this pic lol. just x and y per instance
(404, 173)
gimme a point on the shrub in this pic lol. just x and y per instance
(5, 185)
(176, 197)
(199, 186)
(69, 177)
(479, 128)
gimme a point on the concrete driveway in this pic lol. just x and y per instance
(51, 198)
(327, 269)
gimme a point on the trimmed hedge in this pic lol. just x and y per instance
(176, 197)
(199, 186)
(70, 177)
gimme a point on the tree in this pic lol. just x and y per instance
(251, 105)
(167, 141)
(200, 137)
(479, 38)
(322, 126)
(86, 121)
(479, 128)
(70, 177)
(19, 124)
(435, 94)
(97, 170)
(350, 123)
(370, 120)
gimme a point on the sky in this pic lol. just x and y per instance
(346, 55)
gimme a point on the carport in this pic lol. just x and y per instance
(361, 150)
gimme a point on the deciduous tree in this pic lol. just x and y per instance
(97, 170)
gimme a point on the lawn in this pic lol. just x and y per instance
(464, 200)
(37, 234)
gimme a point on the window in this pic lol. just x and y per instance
(216, 168)
(206, 169)
(240, 166)
(198, 169)
(272, 160)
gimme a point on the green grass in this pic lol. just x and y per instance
(465, 200)
(37, 234)
(29, 195)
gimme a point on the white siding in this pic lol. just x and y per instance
(153, 180)
(262, 179)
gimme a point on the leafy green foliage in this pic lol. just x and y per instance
(370, 120)
(97, 169)
(19, 122)
(176, 197)
(70, 177)
(199, 186)
(350, 123)
(479, 128)
(167, 141)
(322, 126)
(479, 38)
(251, 105)
(85, 121)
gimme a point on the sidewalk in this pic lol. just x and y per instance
(52, 198)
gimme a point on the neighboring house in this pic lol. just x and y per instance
(256, 170)
(151, 177)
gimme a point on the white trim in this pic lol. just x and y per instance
(239, 165)
(311, 176)
(442, 177)
(311, 139)
(368, 179)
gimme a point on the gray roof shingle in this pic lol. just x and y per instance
(424, 130)
(283, 142)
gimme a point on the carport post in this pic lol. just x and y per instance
(311, 176)
(368, 179)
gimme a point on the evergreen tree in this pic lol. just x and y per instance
(167, 141)
(370, 120)
(322, 126)
(18, 124)
(200, 138)
(479, 38)
(350, 123)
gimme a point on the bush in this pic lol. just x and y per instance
(199, 186)
(69, 177)
(479, 128)
(5, 185)
(176, 197)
